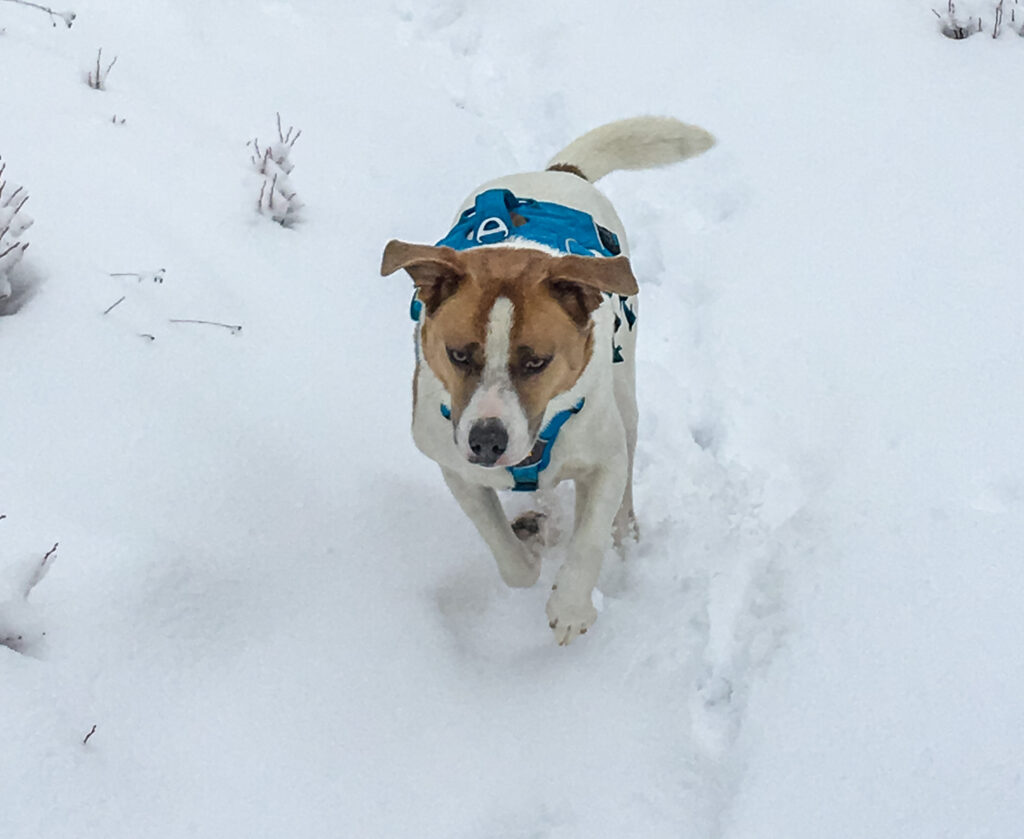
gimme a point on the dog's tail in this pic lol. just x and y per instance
(637, 143)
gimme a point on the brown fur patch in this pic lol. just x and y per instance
(542, 328)
(568, 167)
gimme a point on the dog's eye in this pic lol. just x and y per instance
(460, 358)
(535, 364)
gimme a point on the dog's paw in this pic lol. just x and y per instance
(569, 619)
(530, 527)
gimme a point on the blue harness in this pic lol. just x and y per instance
(497, 216)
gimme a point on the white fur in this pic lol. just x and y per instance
(495, 396)
(637, 143)
(498, 340)
(594, 448)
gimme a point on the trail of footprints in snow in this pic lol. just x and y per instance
(709, 531)
(472, 65)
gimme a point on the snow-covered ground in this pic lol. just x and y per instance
(264, 598)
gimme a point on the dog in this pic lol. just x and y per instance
(525, 333)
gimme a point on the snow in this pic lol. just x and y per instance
(265, 600)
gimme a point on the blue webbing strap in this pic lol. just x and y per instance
(527, 473)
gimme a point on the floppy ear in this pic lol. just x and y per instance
(435, 271)
(578, 283)
(612, 273)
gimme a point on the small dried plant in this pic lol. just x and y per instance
(97, 78)
(953, 25)
(13, 222)
(277, 198)
(68, 18)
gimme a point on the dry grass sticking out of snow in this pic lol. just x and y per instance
(278, 199)
(13, 222)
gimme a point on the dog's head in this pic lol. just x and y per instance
(505, 329)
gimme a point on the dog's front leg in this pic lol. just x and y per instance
(598, 497)
(517, 566)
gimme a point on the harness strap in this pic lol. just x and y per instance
(526, 473)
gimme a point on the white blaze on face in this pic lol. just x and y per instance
(495, 397)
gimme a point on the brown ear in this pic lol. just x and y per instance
(578, 283)
(437, 272)
(612, 274)
(578, 300)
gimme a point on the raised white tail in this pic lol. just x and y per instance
(636, 143)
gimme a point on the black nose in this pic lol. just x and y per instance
(488, 440)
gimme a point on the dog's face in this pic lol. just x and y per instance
(505, 329)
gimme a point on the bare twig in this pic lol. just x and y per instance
(41, 570)
(15, 246)
(286, 136)
(155, 276)
(111, 307)
(87, 736)
(67, 17)
(98, 80)
(235, 329)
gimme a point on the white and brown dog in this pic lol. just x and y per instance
(526, 316)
